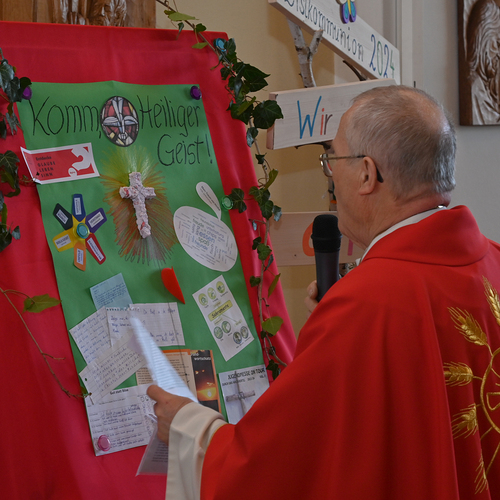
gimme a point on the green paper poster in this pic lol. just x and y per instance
(95, 230)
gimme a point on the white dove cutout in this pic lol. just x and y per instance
(206, 238)
(86, 162)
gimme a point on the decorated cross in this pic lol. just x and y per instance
(139, 194)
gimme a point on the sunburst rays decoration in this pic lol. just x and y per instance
(115, 172)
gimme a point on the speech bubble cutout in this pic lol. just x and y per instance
(206, 193)
(206, 238)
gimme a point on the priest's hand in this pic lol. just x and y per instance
(166, 407)
(312, 292)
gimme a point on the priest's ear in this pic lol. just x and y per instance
(369, 176)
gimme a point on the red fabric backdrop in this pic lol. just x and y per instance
(45, 448)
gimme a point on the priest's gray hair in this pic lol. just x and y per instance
(409, 136)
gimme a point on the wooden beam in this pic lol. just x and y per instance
(312, 115)
(353, 40)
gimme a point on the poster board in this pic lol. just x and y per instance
(61, 459)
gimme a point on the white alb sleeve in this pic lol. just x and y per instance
(190, 434)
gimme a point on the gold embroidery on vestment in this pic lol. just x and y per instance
(457, 374)
(465, 423)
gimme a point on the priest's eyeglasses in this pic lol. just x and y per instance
(327, 162)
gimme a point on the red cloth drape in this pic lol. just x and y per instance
(45, 449)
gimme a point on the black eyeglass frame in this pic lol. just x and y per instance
(328, 171)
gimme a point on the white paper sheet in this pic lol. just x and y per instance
(241, 388)
(92, 335)
(112, 367)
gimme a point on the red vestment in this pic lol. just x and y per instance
(363, 411)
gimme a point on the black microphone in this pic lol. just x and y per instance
(326, 243)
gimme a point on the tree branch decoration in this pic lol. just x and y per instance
(12, 90)
(242, 79)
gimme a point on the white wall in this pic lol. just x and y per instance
(263, 39)
(478, 156)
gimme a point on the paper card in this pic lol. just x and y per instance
(92, 335)
(95, 249)
(112, 367)
(121, 418)
(162, 321)
(223, 317)
(66, 163)
(65, 240)
(80, 255)
(63, 216)
(241, 388)
(111, 293)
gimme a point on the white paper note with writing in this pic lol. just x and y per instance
(111, 293)
(112, 367)
(224, 317)
(120, 417)
(92, 335)
(162, 321)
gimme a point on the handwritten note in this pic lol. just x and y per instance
(121, 417)
(92, 335)
(162, 321)
(111, 293)
(112, 367)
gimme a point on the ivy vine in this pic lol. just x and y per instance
(13, 89)
(242, 80)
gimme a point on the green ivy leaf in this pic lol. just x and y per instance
(8, 171)
(237, 196)
(244, 117)
(266, 209)
(266, 113)
(256, 242)
(16, 233)
(6, 73)
(274, 368)
(225, 72)
(3, 212)
(272, 177)
(199, 45)
(177, 16)
(199, 28)
(252, 133)
(3, 129)
(273, 285)
(277, 213)
(263, 251)
(254, 78)
(180, 27)
(39, 303)
(254, 281)
(261, 159)
(272, 325)
(5, 237)
(269, 262)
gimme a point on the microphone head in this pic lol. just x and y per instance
(325, 234)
